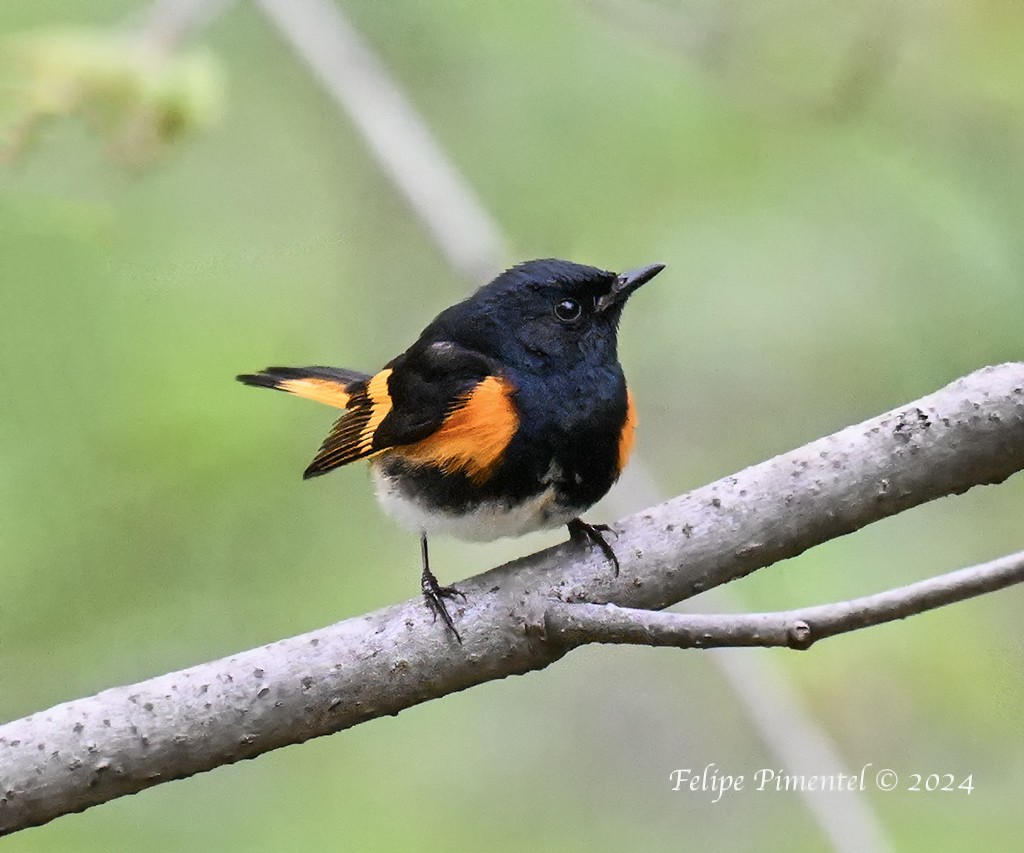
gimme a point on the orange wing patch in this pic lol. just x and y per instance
(628, 435)
(327, 391)
(352, 436)
(380, 406)
(474, 436)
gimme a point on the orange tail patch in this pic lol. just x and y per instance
(321, 390)
(332, 386)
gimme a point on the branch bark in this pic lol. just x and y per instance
(123, 740)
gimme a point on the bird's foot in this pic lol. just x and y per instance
(435, 594)
(581, 533)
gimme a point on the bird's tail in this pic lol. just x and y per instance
(330, 385)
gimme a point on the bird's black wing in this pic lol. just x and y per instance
(436, 404)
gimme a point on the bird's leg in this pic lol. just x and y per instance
(434, 593)
(581, 533)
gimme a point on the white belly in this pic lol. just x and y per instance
(489, 521)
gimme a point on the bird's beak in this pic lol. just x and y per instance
(626, 283)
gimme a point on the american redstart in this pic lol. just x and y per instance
(510, 413)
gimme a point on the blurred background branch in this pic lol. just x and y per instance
(167, 23)
(466, 235)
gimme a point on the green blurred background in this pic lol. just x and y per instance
(837, 191)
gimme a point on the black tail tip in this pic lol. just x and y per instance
(259, 380)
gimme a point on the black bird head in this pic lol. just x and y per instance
(546, 314)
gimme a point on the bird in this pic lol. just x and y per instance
(509, 414)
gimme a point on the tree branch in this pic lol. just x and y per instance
(577, 624)
(123, 740)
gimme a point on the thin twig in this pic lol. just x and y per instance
(578, 624)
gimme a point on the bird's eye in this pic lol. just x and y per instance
(568, 310)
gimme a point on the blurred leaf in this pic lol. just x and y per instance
(136, 96)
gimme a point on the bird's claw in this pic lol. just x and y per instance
(581, 533)
(435, 594)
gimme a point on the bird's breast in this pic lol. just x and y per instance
(427, 500)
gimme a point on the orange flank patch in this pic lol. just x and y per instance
(628, 434)
(474, 436)
(327, 391)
